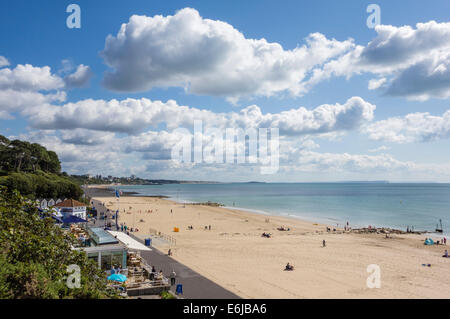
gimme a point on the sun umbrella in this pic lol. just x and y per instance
(118, 277)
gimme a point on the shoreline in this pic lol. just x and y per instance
(234, 255)
(108, 191)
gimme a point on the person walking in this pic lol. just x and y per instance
(173, 276)
(324, 244)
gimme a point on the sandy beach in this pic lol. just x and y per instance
(234, 255)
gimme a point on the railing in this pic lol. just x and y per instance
(166, 237)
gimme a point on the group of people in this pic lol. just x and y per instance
(282, 228)
(160, 276)
(115, 270)
(127, 229)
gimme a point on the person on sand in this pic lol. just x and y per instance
(169, 253)
(289, 267)
(324, 244)
(445, 254)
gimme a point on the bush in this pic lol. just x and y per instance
(167, 295)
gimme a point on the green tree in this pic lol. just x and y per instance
(35, 254)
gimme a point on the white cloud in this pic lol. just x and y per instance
(85, 137)
(3, 61)
(382, 148)
(208, 57)
(213, 58)
(414, 61)
(414, 127)
(80, 78)
(376, 83)
(137, 115)
(29, 78)
(314, 161)
(28, 89)
(426, 79)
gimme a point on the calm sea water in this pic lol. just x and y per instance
(361, 204)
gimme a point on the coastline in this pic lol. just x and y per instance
(108, 191)
(234, 255)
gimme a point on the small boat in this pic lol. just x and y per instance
(439, 230)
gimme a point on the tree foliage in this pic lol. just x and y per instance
(35, 254)
(34, 171)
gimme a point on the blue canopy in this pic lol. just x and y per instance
(117, 277)
(72, 219)
(58, 219)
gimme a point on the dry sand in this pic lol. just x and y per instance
(234, 255)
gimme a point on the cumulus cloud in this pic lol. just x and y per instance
(29, 78)
(211, 57)
(86, 137)
(410, 62)
(27, 88)
(414, 127)
(80, 78)
(424, 80)
(3, 61)
(208, 57)
(137, 115)
(376, 83)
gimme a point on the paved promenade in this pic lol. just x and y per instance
(195, 286)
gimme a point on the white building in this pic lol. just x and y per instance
(71, 207)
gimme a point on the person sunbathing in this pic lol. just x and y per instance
(289, 267)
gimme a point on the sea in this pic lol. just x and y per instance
(378, 204)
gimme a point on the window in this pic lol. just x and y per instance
(106, 261)
(116, 259)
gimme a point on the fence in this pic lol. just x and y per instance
(166, 237)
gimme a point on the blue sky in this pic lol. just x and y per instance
(35, 33)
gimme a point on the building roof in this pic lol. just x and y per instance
(101, 237)
(128, 241)
(70, 203)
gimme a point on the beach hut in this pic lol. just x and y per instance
(44, 204)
